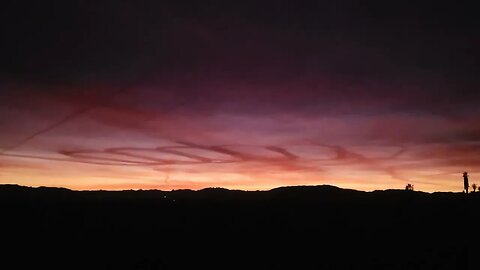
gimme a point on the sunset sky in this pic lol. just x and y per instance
(245, 95)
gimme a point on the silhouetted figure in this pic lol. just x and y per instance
(474, 186)
(465, 182)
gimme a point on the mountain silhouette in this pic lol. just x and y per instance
(297, 227)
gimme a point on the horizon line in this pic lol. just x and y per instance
(224, 188)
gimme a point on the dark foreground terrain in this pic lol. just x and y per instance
(318, 227)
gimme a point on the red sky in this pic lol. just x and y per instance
(122, 140)
(244, 96)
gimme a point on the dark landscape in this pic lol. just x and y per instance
(298, 227)
(116, 114)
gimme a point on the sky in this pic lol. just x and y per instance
(247, 95)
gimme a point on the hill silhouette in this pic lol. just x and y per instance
(298, 227)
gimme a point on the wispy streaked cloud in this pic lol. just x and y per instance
(238, 94)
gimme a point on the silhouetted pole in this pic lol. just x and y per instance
(465, 182)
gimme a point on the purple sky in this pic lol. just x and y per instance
(162, 94)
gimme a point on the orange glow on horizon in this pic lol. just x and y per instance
(123, 146)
